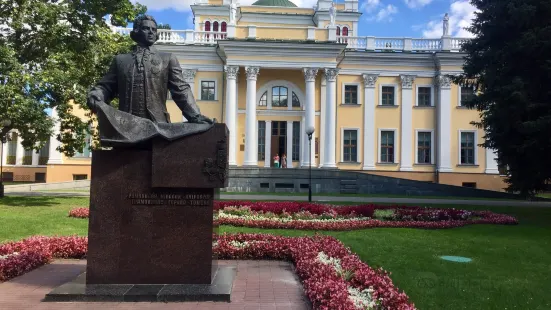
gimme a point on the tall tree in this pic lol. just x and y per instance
(509, 63)
(51, 53)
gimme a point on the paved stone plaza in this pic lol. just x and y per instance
(258, 285)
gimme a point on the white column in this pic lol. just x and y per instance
(4, 153)
(491, 162)
(406, 149)
(303, 142)
(330, 119)
(289, 152)
(251, 143)
(54, 156)
(444, 124)
(19, 152)
(35, 158)
(268, 144)
(322, 120)
(231, 111)
(310, 79)
(370, 80)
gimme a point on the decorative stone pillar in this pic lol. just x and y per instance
(268, 144)
(370, 80)
(289, 141)
(310, 80)
(19, 152)
(231, 112)
(330, 118)
(406, 149)
(444, 124)
(491, 162)
(35, 157)
(251, 142)
(323, 93)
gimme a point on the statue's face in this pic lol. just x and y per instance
(147, 33)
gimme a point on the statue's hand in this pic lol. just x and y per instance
(201, 119)
(93, 102)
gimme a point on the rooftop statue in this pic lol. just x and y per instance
(141, 80)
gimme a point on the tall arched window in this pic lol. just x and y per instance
(215, 27)
(223, 28)
(279, 96)
(263, 99)
(344, 31)
(207, 26)
(296, 102)
(338, 30)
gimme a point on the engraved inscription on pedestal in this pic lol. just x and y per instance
(154, 199)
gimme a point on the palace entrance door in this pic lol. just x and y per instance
(278, 141)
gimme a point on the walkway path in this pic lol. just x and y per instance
(419, 201)
(257, 285)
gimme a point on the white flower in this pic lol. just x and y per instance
(8, 255)
(363, 299)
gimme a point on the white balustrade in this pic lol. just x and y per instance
(426, 44)
(359, 43)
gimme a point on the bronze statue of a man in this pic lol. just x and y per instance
(141, 80)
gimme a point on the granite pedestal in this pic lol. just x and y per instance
(151, 219)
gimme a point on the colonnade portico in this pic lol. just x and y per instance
(307, 156)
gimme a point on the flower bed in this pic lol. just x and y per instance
(82, 213)
(17, 258)
(308, 216)
(333, 277)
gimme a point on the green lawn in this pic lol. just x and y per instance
(510, 269)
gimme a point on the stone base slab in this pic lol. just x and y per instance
(77, 290)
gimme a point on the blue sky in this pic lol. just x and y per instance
(382, 18)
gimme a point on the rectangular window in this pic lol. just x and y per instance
(469, 184)
(77, 177)
(467, 93)
(44, 154)
(350, 146)
(261, 140)
(86, 150)
(424, 96)
(387, 95)
(350, 94)
(296, 141)
(467, 148)
(387, 146)
(424, 147)
(28, 157)
(12, 149)
(207, 90)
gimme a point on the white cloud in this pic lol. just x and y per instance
(413, 4)
(385, 14)
(461, 16)
(184, 5)
(159, 5)
(370, 5)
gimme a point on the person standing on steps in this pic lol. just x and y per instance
(284, 161)
(276, 161)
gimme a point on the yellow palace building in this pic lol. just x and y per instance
(272, 70)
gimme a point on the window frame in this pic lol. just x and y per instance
(417, 131)
(261, 151)
(459, 88)
(395, 86)
(201, 89)
(380, 149)
(431, 95)
(343, 94)
(279, 96)
(266, 99)
(294, 94)
(475, 132)
(358, 146)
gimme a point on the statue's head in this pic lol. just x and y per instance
(144, 31)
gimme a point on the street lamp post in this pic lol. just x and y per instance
(310, 131)
(3, 135)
